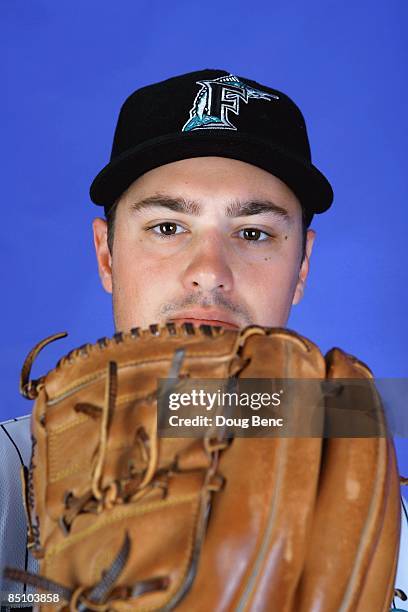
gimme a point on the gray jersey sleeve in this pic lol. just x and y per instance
(15, 450)
(401, 581)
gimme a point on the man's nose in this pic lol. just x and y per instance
(209, 268)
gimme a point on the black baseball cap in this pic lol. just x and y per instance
(212, 113)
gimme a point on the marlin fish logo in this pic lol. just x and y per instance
(216, 99)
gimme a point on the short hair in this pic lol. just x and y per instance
(110, 215)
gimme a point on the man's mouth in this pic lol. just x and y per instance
(206, 318)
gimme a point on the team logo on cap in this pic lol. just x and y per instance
(217, 99)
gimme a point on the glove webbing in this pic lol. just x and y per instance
(84, 599)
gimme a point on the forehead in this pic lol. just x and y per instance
(208, 180)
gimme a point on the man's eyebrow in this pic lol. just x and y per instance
(257, 207)
(180, 205)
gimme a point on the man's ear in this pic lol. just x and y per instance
(103, 255)
(304, 268)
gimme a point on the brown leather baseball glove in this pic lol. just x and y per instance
(124, 520)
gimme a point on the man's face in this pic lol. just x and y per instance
(207, 240)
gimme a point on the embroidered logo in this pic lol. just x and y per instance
(218, 98)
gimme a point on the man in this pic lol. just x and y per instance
(206, 216)
(208, 199)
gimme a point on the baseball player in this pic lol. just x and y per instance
(208, 199)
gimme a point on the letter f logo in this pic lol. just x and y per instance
(216, 99)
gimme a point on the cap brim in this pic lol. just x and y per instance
(306, 181)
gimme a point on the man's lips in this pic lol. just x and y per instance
(205, 318)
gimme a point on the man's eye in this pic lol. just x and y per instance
(253, 234)
(167, 229)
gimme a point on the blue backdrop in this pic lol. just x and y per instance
(69, 65)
